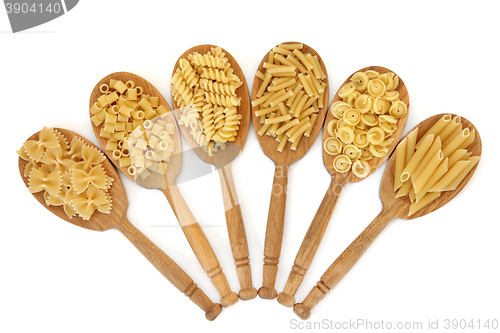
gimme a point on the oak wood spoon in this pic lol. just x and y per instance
(314, 234)
(282, 162)
(117, 219)
(392, 207)
(167, 184)
(222, 160)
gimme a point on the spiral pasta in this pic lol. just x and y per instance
(205, 88)
(364, 120)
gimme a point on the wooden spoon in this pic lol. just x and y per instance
(316, 230)
(282, 162)
(391, 207)
(117, 219)
(167, 184)
(222, 160)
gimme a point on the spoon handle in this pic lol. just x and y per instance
(343, 264)
(170, 270)
(237, 234)
(310, 243)
(201, 246)
(274, 231)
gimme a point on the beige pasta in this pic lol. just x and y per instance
(70, 176)
(293, 83)
(205, 89)
(132, 123)
(432, 165)
(366, 117)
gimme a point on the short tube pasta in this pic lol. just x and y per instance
(441, 168)
(292, 91)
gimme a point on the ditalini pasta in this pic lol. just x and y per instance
(204, 86)
(438, 162)
(71, 175)
(134, 125)
(364, 120)
(291, 93)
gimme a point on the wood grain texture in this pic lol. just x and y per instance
(222, 160)
(392, 207)
(117, 220)
(318, 226)
(282, 161)
(167, 184)
(274, 232)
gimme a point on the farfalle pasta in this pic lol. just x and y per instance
(134, 125)
(71, 175)
(438, 162)
(364, 120)
(204, 87)
(291, 93)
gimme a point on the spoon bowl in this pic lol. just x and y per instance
(375, 162)
(232, 150)
(282, 161)
(391, 207)
(117, 220)
(400, 206)
(155, 180)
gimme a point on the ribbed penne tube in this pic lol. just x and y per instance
(438, 173)
(417, 157)
(430, 168)
(448, 177)
(458, 179)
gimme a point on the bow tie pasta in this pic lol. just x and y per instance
(71, 175)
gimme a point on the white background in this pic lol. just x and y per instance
(55, 277)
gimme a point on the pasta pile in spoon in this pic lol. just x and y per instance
(71, 175)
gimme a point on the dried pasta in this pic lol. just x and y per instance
(205, 88)
(134, 122)
(365, 118)
(438, 162)
(71, 175)
(290, 96)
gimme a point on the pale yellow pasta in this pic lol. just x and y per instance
(342, 163)
(456, 142)
(436, 145)
(68, 174)
(417, 157)
(458, 179)
(427, 172)
(361, 168)
(426, 199)
(449, 176)
(333, 146)
(434, 178)
(290, 95)
(442, 167)
(400, 162)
